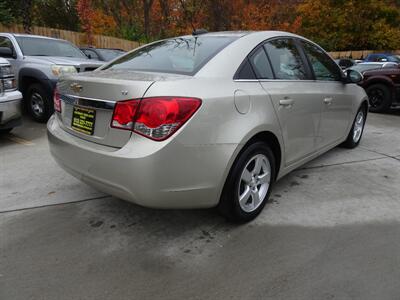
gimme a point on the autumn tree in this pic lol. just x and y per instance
(85, 13)
(147, 4)
(335, 24)
(189, 15)
(165, 14)
(351, 24)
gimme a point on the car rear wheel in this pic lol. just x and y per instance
(355, 134)
(380, 97)
(248, 185)
(39, 103)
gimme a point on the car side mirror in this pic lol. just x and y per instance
(353, 76)
(89, 56)
(6, 52)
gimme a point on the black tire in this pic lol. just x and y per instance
(5, 131)
(380, 97)
(351, 142)
(39, 103)
(229, 205)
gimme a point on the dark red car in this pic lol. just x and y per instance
(382, 85)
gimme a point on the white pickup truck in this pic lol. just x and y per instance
(10, 98)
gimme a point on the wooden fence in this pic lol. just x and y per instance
(77, 38)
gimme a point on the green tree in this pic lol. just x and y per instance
(18, 11)
(351, 24)
(6, 15)
(60, 14)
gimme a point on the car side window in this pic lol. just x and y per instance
(6, 43)
(93, 55)
(286, 60)
(245, 71)
(372, 57)
(260, 64)
(323, 66)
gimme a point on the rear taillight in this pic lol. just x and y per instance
(156, 118)
(124, 113)
(57, 100)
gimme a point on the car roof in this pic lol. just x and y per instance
(242, 33)
(227, 61)
(226, 33)
(35, 36)
(263, 34)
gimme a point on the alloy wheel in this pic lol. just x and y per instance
(254, 183)
(37, 104)
(358, 126)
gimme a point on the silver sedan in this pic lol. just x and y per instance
(205, 120)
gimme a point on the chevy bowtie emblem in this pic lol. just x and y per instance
(76, 87)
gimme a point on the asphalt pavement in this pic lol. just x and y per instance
(330, 231)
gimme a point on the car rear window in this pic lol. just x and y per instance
(183, 55)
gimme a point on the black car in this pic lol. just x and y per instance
(103, 54)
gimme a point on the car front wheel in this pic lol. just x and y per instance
(249, 183)
(380, 97)
(39, 103)
(355, 134)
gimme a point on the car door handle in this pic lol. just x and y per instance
(328, 101)
(286, 102)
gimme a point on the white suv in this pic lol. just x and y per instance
(10, 98)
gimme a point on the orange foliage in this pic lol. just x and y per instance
(85, 13)
(102, 23)
(176, 17)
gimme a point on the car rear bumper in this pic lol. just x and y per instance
(10, 110)
(148, 173)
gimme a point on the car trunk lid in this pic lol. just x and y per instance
(88, 100)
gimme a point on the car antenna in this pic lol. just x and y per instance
(199, 31)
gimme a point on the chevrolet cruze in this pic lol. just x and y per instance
(204, 120)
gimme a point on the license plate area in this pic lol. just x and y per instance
(83, 119)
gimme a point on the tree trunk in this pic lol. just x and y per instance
(165, 16)
(147, 4)
(26, 11)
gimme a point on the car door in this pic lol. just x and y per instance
(14, 62)
(293, 98)
(5, 42)
(333, 94)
